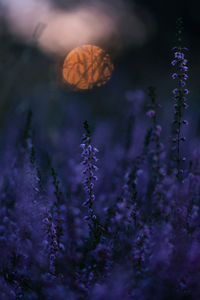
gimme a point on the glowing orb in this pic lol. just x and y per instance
(87, 66)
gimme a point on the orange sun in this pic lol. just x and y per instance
(87, 66)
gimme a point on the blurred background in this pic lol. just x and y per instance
(35, 37)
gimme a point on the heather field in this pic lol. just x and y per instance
(99, 189)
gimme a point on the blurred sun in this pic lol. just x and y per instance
(87, 66)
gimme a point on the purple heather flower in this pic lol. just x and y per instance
(174, 76)
(158, 130)
(186, 91)
(139, 172)
(175, 91)
(184, 68)
(181, 171)
(174, 62)
(184, 62)
(150, 113)
(185, 122)
(89, 160)
(179, 55)
(175, 97)
(182, 83)
(179, 97)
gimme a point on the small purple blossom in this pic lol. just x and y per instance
(174, 62)
(175, 91)
(158, 130)
(179, 55)
(182, 83)
(185, 122)
(150, 113)
(174, 76)
(184, 62)
(186, 91)
(184, 68)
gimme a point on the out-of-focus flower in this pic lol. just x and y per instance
(90, 168)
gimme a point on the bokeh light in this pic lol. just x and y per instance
(87, 66)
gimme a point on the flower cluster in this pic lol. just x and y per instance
(157, 148)
(180, 96)
(50, 243)
(181, 74)
(90, 168)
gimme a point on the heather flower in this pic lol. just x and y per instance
(175, 91)
(182, 83)
(174, 62)
(155, 144)
(142, 249)
(180, 92)
(150, 113)
(185, 122)
(56, 209)
(90, 168)
(174, 76)
(179, 55)
(50, 243)
(183, 68)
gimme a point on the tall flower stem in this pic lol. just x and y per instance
(89, 160)
(180, 93)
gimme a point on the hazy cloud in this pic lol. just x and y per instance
(94, 22)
